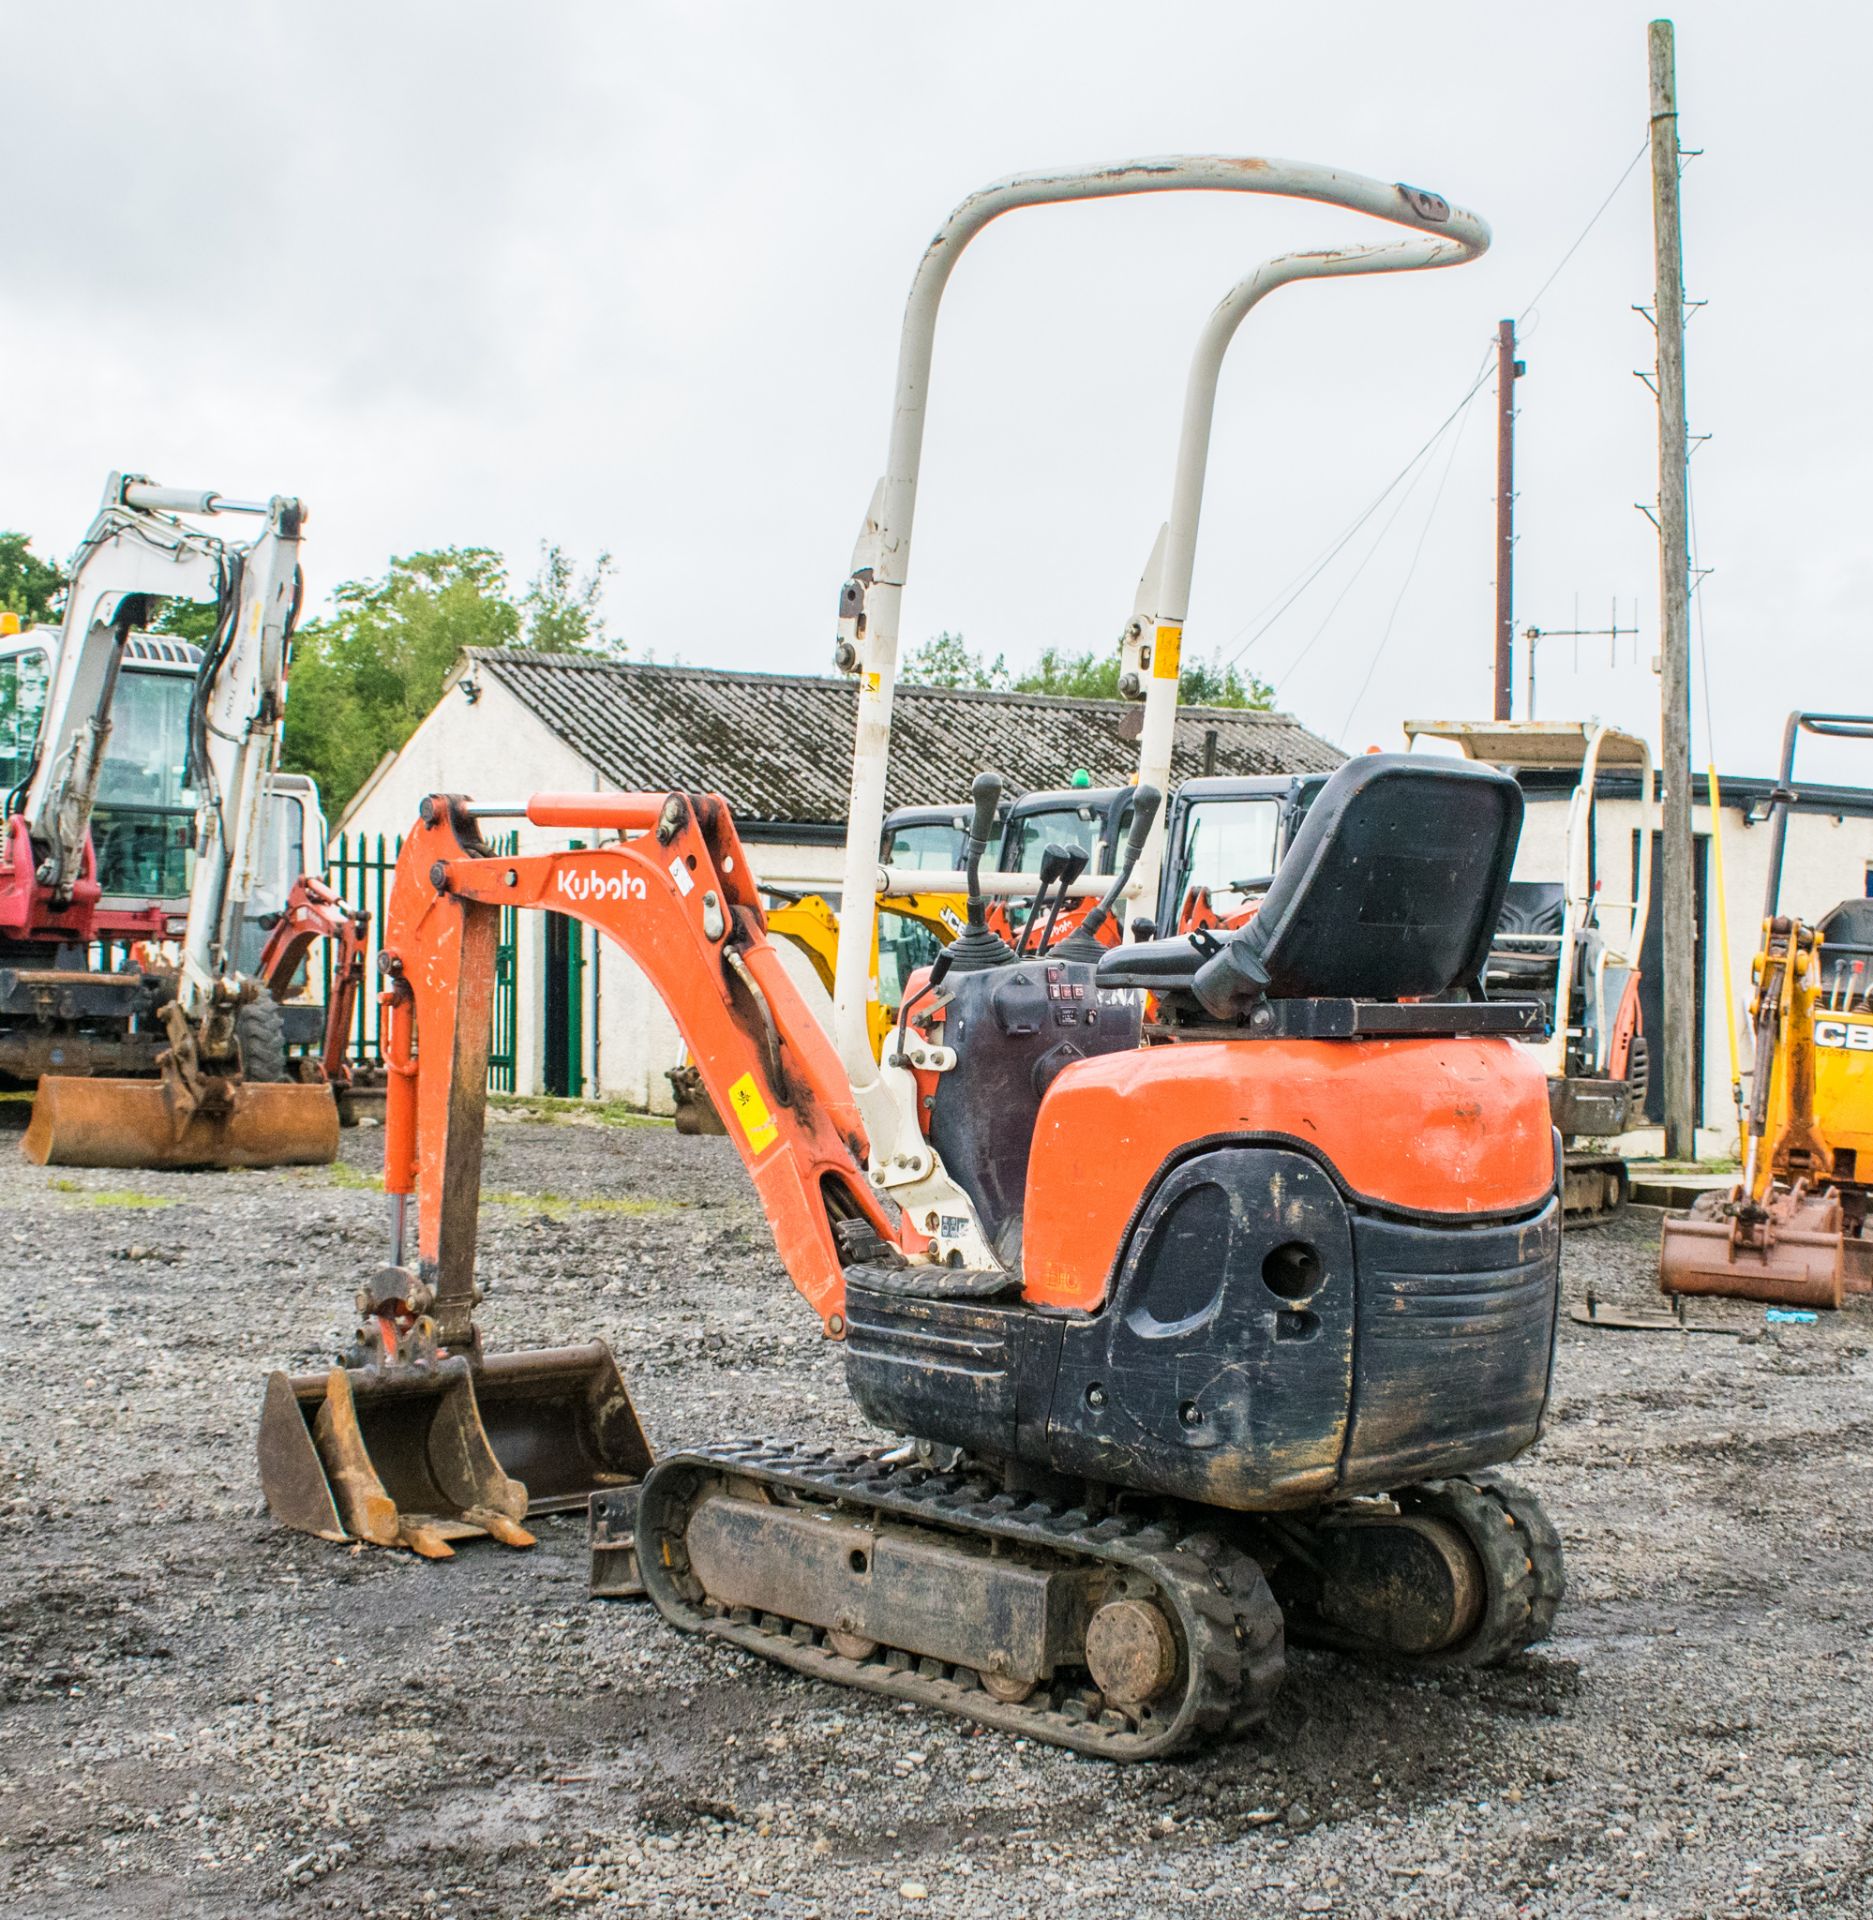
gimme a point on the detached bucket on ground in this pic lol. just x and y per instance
(139, 1124)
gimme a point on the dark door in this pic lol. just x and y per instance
(563, 1039)
(1651, 966)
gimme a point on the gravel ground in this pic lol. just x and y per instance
(205, 1715)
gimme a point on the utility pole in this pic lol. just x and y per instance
(1679, 985)
(1508, 368)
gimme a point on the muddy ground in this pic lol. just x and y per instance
(201, 1714)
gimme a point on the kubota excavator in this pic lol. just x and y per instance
(139, 825)
(1207, 1333)
(1793, 1229)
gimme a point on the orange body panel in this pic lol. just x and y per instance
(680, 900)
(1449, 1126)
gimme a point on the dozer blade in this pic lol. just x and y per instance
(420, 1455)
(1794, 1260)
(137, 1123)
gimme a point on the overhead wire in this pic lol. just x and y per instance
(1288, 595)
(1417, 553)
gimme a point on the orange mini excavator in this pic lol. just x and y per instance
(1208, 1328)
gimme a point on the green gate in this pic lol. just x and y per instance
(359, 868)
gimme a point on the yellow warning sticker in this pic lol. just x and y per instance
(1166, 653)
(751, 1110)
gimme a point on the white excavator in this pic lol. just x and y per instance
(143, 842)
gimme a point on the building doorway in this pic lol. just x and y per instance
(562, 1066)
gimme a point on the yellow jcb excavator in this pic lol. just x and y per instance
(1793, 1229)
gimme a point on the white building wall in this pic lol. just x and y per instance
(496, 748)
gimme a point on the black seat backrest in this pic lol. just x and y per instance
(1527, 945)
(1532, 906)
(1849, 925)
(1392, 889)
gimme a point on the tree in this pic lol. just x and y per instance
(946, 661)
(364, 677)
(562, 612)
(29, 586)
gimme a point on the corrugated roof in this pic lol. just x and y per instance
(779, 746)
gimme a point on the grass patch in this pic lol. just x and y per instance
(558, 1205)
(609, 1113)
(126, 1198)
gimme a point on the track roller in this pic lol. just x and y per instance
(1128, 1636)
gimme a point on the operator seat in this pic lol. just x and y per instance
(1392, 890)
(1848, 929)
(1528, 936)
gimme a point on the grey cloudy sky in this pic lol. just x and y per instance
(630, 277)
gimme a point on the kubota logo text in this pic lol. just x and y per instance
(588, 885)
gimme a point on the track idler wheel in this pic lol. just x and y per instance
(1466, 1572)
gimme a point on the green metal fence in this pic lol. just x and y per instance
(359, 866)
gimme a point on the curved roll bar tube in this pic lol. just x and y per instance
(870, 602)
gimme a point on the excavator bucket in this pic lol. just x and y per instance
(420, 1455)
(1794, 1256)
(695, 1111)
(140, 1123)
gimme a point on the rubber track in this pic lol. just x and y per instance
(1597, 1215)
(1227, 1619)
(1522, 1562)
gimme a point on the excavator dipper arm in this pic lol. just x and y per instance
(679, 897)
(418, 1438)
(315, 911)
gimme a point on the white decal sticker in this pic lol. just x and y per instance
(680, 874)
(1855, 1035)
(590, 885)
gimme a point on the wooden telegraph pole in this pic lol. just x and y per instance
(1679, 985)
(1507, 368)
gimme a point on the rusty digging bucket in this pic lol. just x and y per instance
(420, 1455)
(139, 1123)
(1796, 1257)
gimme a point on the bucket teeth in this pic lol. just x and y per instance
(365, 1509)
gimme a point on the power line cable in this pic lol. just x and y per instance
(1289, 595)
(1417, 552)
(1354, 577)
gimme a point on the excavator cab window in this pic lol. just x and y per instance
(1058, 826)
(23, 678)
(932, 848)
(143, 826)
(904, 945)
(1228, 843)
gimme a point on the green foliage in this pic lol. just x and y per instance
(191, 620)
(1214, 683)
(366, 675)
(562, 612)
(946, 661)
(29, 586)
